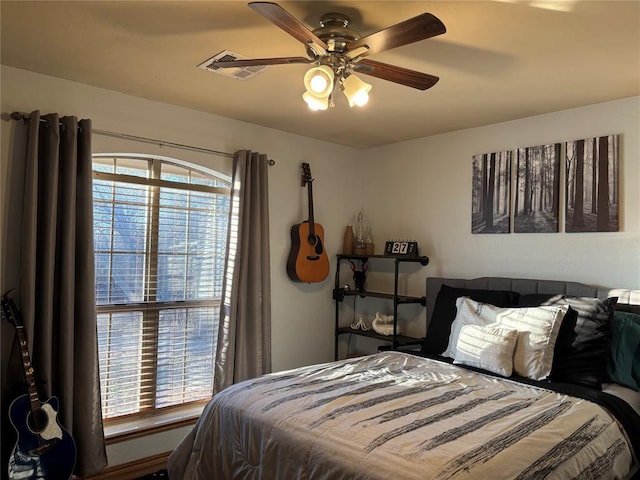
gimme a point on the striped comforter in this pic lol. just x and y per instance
(397, 416)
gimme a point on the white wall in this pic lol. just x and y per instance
(427, 196)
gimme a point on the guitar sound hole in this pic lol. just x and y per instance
(311, 239)
(37, 420)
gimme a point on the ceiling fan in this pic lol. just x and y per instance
(338, 51)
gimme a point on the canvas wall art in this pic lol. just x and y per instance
(592, 187)
(491, 193)
(537, 192)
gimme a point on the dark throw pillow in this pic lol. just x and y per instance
(624, 364)
(584, 352)
(444, 312)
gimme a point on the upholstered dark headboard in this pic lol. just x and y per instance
(521, 285)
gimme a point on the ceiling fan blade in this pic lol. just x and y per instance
(412, 30)
(287, 22)
(255, 62)
(395, 74)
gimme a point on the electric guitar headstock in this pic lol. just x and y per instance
(10, 311)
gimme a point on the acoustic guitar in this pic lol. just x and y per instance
(308, 261)
(44, 449)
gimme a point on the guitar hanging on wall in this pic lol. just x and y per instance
(44, 449)
(308, 261)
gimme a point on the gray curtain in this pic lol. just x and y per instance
(244, 333)
(57, 284)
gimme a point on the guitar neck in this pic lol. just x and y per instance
(311, 221)
(28, 371)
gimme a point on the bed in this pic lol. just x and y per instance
(484, 398)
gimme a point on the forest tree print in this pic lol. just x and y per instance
(491, 193)
(592, 185)
(537, 192)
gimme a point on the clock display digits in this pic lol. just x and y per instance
(401, 248)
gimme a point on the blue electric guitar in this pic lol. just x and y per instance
(44, 450)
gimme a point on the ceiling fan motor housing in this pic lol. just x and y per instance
(335, 32)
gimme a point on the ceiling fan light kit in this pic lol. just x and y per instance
(320, 83)
(337, 51)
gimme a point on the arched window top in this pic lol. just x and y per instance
(158, 168)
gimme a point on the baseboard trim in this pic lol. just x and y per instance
(133, 470)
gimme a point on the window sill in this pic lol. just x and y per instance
(118, 431)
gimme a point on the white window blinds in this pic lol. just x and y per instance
(160, 236)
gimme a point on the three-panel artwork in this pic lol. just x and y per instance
(523, 191)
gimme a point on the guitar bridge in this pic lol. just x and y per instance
(43, 448)
(313, 258)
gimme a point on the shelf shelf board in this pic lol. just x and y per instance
(422, 259)
(340, 293)
(357, 257)
(400, 339)
(366, 293)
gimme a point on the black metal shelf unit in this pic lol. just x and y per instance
(340, 293)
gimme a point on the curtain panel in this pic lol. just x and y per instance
(57, 278)
(244, 334)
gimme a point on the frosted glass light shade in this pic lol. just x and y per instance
(356, 91)
(314, 102)
(319, 81)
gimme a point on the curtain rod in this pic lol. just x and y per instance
(161, 143)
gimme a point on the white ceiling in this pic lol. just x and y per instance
(499, 60)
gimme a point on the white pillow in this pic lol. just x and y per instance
(537, 332)
(469, 312)
(538, 329)
(490, 348)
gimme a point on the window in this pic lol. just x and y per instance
(160, 232)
